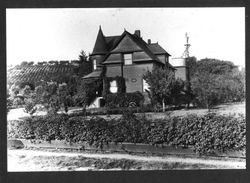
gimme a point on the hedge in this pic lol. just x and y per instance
(205, 134)
(123, 99)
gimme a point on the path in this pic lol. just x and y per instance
(13, 156)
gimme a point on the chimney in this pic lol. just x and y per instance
(149, 41)
(138, 33)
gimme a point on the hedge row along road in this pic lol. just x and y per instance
(206, 133)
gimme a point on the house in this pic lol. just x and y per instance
(129, 56)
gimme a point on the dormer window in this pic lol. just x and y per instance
(94, 64)
(127, 59)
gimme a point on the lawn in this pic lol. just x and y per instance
(237, 108)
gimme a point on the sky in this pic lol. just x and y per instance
(60, 34)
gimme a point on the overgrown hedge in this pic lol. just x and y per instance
(115, 100)
(205, 133)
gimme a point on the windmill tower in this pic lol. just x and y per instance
(187, 45)
(180, 62)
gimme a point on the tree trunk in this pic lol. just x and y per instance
(163, 105)
(208, 107)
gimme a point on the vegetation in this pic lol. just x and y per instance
(206, 133)
(214, 81)
(59, 84)
(124, 100)
(164, 88)
(87, 91)
(34, 74)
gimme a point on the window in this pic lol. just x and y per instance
(145, 85)
(94, 64)
(127, 59)
(113, 87)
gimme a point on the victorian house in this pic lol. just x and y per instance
(129, 56)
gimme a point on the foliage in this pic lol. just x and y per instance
(164, 88)
(64, 96)
(160, 82)
(206, 90)
(191, 63)
(34, 74)
(206, 134)
(214, 66)
(30, 106)
(216, 81)
(85, 64)
(116, 100)
(17, 102)
(88, 91)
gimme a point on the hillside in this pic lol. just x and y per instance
(35, 73)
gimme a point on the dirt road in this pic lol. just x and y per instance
(40, 160)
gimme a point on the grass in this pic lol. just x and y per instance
(221, 109)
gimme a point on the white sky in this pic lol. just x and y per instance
(60, 34)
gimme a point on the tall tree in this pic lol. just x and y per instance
(85, 64)
(161, 82)
(216, 81)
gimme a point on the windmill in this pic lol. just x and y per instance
(187, 45)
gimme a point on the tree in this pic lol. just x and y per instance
(64, 96)
(216, 81)
(206, 89)
(161, 82)
(85, 64)
(87, 92)
(30, 106)
(83, 57)
(46, 94)
(24, 63)
(191, 63)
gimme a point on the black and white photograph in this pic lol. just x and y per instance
(125, 89)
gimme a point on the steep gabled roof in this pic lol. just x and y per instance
(105, 45)
(157, 49)
(100, 44)
(111, 41)
(142, 44)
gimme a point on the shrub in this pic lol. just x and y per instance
(124, 100)
(18, 101)
(206, 134)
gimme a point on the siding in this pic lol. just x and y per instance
(140, 56)
(132, 73)
(114, 58)
(113, 70)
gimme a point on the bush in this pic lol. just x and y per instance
(206, 134)
(124, 100)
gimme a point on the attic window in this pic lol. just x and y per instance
(94, 64)
(127, 59)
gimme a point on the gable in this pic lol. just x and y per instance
(126, 45)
